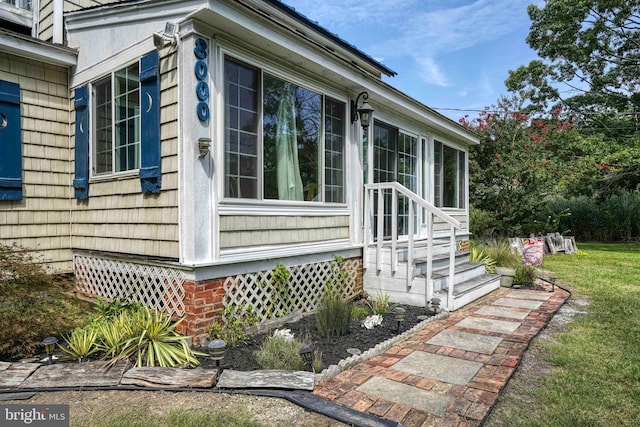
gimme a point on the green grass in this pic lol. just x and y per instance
(178, 417)
(595, 379)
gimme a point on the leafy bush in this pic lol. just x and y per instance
(359, 312)
(482, 224)
(32, 304)
(278, 352)
(233, 329)
(525, 275)
(615, 218)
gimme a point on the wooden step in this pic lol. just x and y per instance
(467, 286)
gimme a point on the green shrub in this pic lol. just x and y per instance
(482, 223)
(380, 304)
(278, 352)
(525, 275)
(615, 218)
(33, 304)
(502, 253)
(333, 316)
(233, 329)
(359, 312)
(110, 309)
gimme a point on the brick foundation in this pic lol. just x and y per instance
(204, 303)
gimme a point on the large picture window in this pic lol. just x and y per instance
(449, 176)
(116, 102)
(282, 141)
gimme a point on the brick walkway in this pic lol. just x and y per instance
(423, 382)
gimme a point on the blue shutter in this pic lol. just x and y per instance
(150, 161)
(10, 142)
(81, 180)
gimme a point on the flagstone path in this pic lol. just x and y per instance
(450, 372)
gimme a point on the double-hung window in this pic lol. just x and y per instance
(283, 141)
(118, 126)
(449, 176)
(116, 106)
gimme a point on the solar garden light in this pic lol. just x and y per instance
(49, 344)
(307, 355)
(399, 313)
(216, 351)
(435, 303)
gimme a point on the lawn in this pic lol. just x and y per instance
(595, 379)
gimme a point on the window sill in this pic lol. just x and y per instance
(257, 207)
(115, 177)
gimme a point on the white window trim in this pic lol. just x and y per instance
(245, 205)
(93, 177)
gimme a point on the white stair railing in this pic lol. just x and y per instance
(377, 236)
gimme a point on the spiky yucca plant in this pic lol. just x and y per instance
(155, 342)
(81, 343)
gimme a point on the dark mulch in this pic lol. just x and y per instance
(333, 349)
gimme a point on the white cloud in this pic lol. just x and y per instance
(427, 32)
(431, 73)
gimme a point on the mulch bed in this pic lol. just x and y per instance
(333, 349)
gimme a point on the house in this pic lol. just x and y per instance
(181, 152)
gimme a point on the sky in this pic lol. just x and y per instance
(452, 55)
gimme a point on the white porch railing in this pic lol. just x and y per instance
(427, 215)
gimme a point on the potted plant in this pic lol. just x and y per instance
(506, 261)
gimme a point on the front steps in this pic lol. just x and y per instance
(470, 280)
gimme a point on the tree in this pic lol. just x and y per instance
(593, 47)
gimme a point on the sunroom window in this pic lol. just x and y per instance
(282, 141)
(449, 176)
(116, 100)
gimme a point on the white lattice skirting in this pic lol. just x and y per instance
(153, 286)
(306, 286)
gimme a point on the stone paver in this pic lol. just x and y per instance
(513, 302)
(393, 391)
(442, 368)
(466, 341)
(535, 295)
(510, 313)
(491, 325)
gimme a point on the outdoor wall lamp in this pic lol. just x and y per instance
(167, 36)
(364, 112)
(49, 344)
(204, 145)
